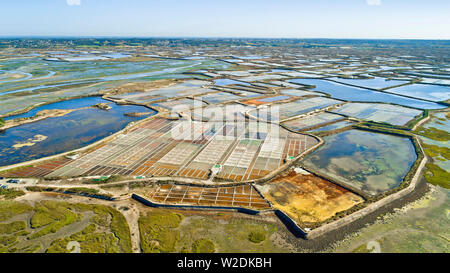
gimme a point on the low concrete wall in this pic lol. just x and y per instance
(290, 224)
(156, 205)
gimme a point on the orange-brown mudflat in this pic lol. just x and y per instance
(308, 199)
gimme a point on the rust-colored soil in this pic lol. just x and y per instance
(308, 199)
(238, 196)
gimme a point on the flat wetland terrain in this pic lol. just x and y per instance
(48, 226)
(180, 231)
(421, 226)
(317, 129)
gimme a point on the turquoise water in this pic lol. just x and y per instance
(66, 133)
(350, 93)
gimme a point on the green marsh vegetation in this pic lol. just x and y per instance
(158, 231)
(104, 180)
(107, 232)
(76, 190)
(9, 235)
(9, 209)
(441, 153)
(434, 134)
(203, 246)
(11, 193)
(12, 227)
(256, 237)
(103, 228)
(10, 232)
(437, 176)
(82, 190)
(204, 232)
(50, 216)
(435, 138)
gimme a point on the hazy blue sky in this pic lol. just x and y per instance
(425, 19)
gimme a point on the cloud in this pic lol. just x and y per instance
(373, 2)
(73, 2)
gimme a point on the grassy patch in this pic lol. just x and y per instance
(90, 242)
(31, 248)
(437, 176)
(12, 227)
(104, 180)
(434, 134)
(52, 216)
(361, 249)
(11, 193)
(120, 228)
(108, 232)
(245, 229)
(203, 246)
(7, 242)
(228, 233)
(83, 190)
(78, 190)
(38, 188)
(256, 237)
(9, 209)
(158, 231)
(436, 151)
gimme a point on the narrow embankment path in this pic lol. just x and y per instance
(132, 217)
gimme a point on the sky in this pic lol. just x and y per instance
(372, 19)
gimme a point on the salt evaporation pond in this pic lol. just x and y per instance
(377, 82)
(350, 93)
(223, 82)
(370, 162)
(423, 91)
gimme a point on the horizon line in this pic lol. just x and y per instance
(213, 37)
